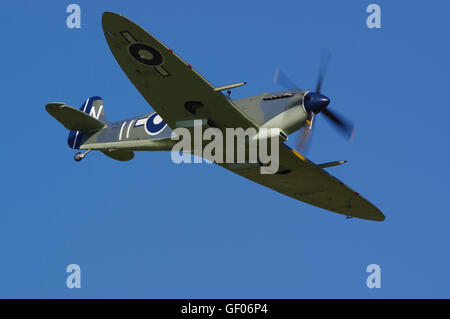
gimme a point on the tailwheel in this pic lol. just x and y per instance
(79, 156)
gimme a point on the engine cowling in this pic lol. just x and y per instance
(290, 120)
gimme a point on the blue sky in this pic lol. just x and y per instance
(153, 229)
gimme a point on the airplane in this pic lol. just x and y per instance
(179, 95)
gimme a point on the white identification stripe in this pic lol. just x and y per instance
(141, 122)
(121, 130)
(75, 139)
(129, 127)
(85, 105)
(76, 135)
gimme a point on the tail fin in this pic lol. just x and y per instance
(90, 119)
(94, 107)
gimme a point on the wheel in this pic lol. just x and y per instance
(78, 157)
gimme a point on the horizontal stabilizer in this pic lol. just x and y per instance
(119, 155)
(73, 119)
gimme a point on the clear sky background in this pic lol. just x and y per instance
(152, 229)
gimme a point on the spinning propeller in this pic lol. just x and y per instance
(315, 103)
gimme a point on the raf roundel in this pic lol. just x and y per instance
(155, 124)
(145, 54)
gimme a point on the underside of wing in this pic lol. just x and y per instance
(172, 87)
(301, 179)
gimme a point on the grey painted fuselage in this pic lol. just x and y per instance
(283, 110)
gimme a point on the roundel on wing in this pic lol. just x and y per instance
(155, 124)
(145, 54)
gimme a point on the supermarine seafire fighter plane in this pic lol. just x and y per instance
(180, 95)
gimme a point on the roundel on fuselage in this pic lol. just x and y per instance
(155, 124)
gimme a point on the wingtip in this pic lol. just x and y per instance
(109, 17)
(108, 14)
(377, 215)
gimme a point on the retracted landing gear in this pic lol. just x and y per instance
(79, 156)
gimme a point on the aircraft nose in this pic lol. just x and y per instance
(315, 102)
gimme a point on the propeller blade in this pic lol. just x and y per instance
(306, 136)
(343, 126)
(324, 61)
(283, 80)
(304, 140)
